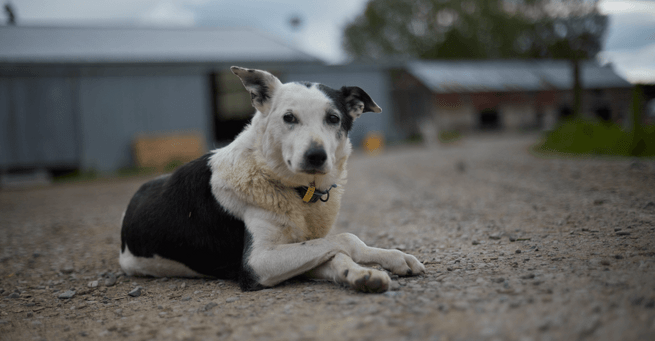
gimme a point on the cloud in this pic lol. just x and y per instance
(630, 43)
(92, 12)
(636, 65)
(79, 11)
(170, 13)
(623, 6)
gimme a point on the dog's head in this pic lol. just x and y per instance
(306, 124)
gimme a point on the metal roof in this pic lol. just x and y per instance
(504, 76)
(139, 44)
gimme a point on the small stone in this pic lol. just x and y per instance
(209, 306)
(394, 286)
(392, 294)
(136, 292)
(512, 238)
(637, 300)
(93, 284)
(110, 280)
(517, 251)
(460, 166)
(67, 295)
(528, 276)
(349, 301)
(622, 233)
(495, 236)
(475, 242)
(184, 299)
(618, 256)
(605, 262)
(231, 299)
(598, 202)
(14, 295)
(183, 285)
(67, 269)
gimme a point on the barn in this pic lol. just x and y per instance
(494, 95)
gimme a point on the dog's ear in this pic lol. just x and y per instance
(357, 101)
(260, 84)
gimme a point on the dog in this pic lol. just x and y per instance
(259, 210)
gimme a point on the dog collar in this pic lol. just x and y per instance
(312, 194)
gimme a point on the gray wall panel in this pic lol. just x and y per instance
(115, 110)
(38, 122)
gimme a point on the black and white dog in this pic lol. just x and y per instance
(259, 210)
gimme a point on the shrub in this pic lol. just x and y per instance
(581, 136)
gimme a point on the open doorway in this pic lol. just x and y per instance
(565, 112)
(604, 113)
(231, 106)
(490, 120)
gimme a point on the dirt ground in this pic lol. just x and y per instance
(517, 247)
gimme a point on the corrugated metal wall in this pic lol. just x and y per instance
(117, 109)
(38, 122)
(90, 122)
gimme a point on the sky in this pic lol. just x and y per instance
(629, 46)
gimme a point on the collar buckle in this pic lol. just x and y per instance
(311, 194)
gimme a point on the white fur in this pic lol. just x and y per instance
(156, 266)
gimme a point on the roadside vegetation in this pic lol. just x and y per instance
(583, 136)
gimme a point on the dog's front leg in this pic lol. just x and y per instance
(397, 262)
(270, 259)
(342, 269)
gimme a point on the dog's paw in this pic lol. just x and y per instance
(403, 264)
(367, 280)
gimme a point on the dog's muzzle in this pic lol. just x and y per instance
(314, 160)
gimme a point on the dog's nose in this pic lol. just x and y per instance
(315, 156)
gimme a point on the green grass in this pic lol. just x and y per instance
(447, 136)
(581, 136)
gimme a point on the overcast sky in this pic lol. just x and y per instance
(630, 43)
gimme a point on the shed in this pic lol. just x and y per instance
(506, 94)
(76, 98)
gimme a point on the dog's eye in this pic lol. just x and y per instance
(290, 118)
(333, 119)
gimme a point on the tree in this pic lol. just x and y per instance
(11, 17)
(479, 29)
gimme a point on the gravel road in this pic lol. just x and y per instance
(517, 247)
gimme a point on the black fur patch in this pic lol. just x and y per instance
(355, 96)
(340, 102)
(177, 217)
(248, 279)
(259, 91)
